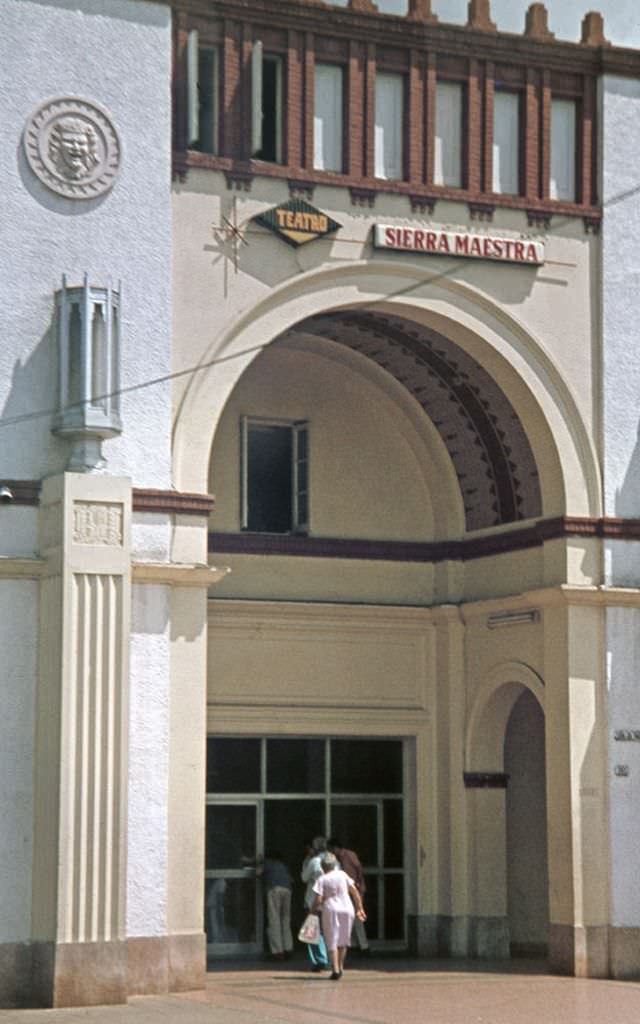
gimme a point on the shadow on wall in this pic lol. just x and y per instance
(625, 564)
(259, 254)
(28, 448)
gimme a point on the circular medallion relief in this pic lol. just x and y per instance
(73, 147)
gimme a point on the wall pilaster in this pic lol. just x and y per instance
(576, 729)
(80, 811)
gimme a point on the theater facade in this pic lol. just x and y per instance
(319, 484)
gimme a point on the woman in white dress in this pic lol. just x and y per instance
(335, 896)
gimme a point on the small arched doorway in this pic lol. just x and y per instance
(526, 814)
(507, 815)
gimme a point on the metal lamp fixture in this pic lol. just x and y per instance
(88, 335)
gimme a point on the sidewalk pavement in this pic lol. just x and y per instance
(378, 992)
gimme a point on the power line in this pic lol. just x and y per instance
(192, 370)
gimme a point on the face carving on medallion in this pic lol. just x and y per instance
(72, 146)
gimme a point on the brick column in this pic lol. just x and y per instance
(532, 123)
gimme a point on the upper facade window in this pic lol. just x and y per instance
(328, 125)
(275, 476)
(334, 97)
(562, 181)
(389, 125)
(267, 105)
(507, 143)
(448, 137)
(203, 95)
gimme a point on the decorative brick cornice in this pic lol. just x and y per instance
(537, 45)
(479, 210)
(421, 203)
(361, 196)
(479, 15)
(174, 502)
(301, 188)
(539, 219)
(593, 30)
(537, 23)
(239, 178)
(420, 10)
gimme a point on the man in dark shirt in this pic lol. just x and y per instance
(277, 887)
(350, 864)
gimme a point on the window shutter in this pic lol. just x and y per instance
(448, 141)
(193, 102)
(301, 477)
(256, 97)
(244, 472)
(327, 118)
(562, 179)
(389, 126)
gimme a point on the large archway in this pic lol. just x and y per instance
(517, 365)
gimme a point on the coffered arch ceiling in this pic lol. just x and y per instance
(483, 435)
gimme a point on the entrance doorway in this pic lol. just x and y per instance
(273, 794)
(527, 871)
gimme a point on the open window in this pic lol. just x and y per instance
(203, 98)
(275, 476)
(267, 107)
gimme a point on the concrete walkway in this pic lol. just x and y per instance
(382, 992)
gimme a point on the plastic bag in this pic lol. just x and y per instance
(310, 930)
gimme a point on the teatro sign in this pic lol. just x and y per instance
(458, 243)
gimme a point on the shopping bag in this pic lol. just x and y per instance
(310, 930)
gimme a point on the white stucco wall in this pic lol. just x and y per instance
(623, 657)
(621, 301)
(621, 464)
(148, 762)
(18, 623)
(117, 53)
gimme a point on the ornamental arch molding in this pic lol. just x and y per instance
(420, 307)
(490, 712)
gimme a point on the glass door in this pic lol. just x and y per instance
(269, 796)
(233, 913)
(374, 828)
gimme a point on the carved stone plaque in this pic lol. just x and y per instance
(73, 147)
(97, 523)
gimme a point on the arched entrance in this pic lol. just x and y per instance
(526, 813)
(507, 814)
(338, 622)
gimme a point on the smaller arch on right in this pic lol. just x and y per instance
(505, 781)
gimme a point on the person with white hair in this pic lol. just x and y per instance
(336, 895)
(312, 870)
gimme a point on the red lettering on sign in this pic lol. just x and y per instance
(497, 248)
(431, 241)
(475, 249)
(418, 239)
(462, 245)
(406, 238)
(532, 255)
(443, 245)
(519, 247)
(486, 248)
(389, 237)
